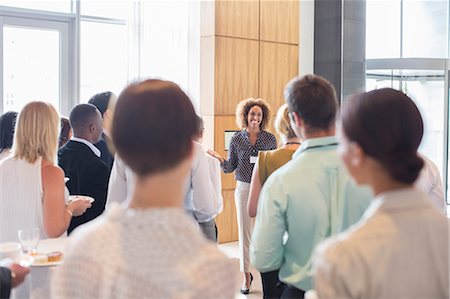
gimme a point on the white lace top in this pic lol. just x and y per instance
(152, 253)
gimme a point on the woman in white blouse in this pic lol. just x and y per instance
(31, 183)
(151, 248)
(399, 249)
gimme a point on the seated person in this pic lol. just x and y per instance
(150, 249)
(399, 248)
(81, 162)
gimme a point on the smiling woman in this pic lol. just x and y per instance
(252, 116)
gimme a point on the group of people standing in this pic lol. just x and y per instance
(326, 191)
(336, 208)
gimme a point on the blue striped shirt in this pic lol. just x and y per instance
(241, 150)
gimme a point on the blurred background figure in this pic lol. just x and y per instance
(66, 131)
(7, 124)
(105, 103)
(31, 183)
(399, 248)
(209, 183)
(429, 181)
(269, 161)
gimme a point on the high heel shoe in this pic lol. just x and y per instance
(246, 290)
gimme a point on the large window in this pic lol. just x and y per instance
(104, 45)
(406, 49)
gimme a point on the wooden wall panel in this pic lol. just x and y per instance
(279, 64)
(279, 21)
(221, 124)
(237, 18)
(226, 221)
(236, 73)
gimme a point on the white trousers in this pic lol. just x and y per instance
(244, 224)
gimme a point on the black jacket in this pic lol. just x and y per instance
(5, 283)
(88, 176)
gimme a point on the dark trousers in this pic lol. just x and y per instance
(291, 292)
(271, 285)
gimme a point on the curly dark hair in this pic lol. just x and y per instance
(243, 108)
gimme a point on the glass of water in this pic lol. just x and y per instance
(29, 239)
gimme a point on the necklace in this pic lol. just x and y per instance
(291, 143)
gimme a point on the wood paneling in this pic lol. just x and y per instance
(236, 73)
(207, 18)
(226, 221)
(279, 64)
(221, 124)
(280, 21)
(237, 18)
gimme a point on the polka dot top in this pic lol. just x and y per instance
(241, 150)
(150, 253)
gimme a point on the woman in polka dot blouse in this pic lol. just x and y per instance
(252, 117)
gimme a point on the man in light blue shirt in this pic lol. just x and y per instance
(311, 197)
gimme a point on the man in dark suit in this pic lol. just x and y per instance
(11, 277)
(105, 102)
(81, 162)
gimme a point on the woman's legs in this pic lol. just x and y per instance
(244, 227)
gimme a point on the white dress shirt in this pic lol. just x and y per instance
(121, 183)
(216, 181)
(142, 253)
(429, 181)
(398, 250)
(95, 150)
(201, 194)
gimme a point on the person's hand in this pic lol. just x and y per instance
(216, 155)
(18, 274)
(78, 206)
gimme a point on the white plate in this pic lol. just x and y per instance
(46, 264)
(90, 199)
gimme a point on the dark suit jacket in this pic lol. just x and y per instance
(5, 282)
(106, 156)
(88, 176)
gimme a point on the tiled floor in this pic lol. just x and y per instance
(232, 251)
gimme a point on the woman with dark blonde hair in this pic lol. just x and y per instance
(252, 117)
(31, 183)
(399, 248)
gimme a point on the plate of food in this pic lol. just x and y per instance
(47, 259)
(74, 197)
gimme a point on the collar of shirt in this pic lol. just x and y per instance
(397, 200)
(315, 143)
(95, 150)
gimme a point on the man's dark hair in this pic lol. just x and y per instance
(314, 100)
(81, 116)
(101, 101)
(7, 125)
(153, 126)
